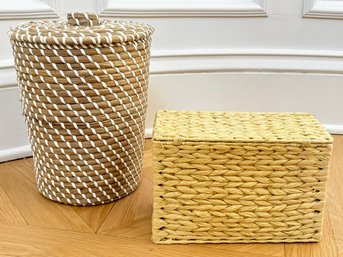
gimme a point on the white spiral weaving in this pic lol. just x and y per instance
(83, 89)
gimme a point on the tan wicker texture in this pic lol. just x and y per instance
(83, 89)
(238, 177)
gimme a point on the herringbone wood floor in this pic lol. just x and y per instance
(31, 225)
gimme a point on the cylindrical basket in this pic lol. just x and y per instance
(83, 85)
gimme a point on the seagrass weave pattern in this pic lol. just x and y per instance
(238, 177)
(83, 85)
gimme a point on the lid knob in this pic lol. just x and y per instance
(83, 19)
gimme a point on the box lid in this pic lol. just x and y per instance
(80, 29)
(193, 126)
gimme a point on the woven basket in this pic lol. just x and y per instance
(83, 89)
(238, 177)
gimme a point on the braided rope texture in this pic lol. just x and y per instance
(83, 86)
(238, 177)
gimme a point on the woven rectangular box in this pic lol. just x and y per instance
(238, 177)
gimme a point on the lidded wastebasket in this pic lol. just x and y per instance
(83, 85)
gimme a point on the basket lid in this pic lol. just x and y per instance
(247, 127)
(80, 29)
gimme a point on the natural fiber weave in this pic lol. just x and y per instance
(83, 89)
(238, 177)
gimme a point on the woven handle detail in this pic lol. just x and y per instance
(83, 19)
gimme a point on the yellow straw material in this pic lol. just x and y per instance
(238, 177)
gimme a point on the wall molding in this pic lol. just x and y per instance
(237, 60)
(179, 8)
(242, 60)
(323, 9)
(33, 9)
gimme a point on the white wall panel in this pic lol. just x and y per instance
(261, 92)
(13, 131)
(27, 9)
(183, 8)
(326, 9)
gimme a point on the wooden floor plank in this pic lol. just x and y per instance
(138, 229)
(94, 216)
(127, 211)
(334, 201)
(275, 250)
(33, 207)
(147, 165)
(37, 241)
(8, 212)
(325, 248)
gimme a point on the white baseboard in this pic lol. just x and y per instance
(15, 153)
(148, 132)
(243, 60)
(25, 151)
(334, 129)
